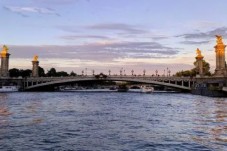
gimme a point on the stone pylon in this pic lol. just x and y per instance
(199, 62)
(35, 67)
(4, 62)
(220, 57)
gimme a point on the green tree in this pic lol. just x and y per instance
(72, 74)
(25, 73)
(62, 74)
(14, 72)
(194, 71)
(206, 68)
(41, 72)
(52, 72)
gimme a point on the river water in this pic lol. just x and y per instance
(112, 121)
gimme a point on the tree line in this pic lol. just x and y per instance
(194, 71)
(28, 73)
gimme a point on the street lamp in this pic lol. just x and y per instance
(82, 72)
(93, 72)
(144, 72)
(121, 72)
(169, 73)
(109, 72)
(156, 72)
(132, 72)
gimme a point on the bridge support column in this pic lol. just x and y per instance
(5, 62)
(35, 67)
(220, 70)
(199, 62)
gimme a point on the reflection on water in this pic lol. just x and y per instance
(220, 129)
(212, 125)
(4, 109)
(112, 121)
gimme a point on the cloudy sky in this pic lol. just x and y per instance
(74, 35)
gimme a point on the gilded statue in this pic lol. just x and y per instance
(198, 52)
(219, 39)
(4, 51)
(35, 58)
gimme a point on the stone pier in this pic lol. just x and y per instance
(220, 70)
(35, 67)
(4, 62)
(199, 62)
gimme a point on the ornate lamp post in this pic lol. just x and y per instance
(132, 72)
(169, 72)
(82, 72)
(121, 72)
(144, 72)
(109, 72)
(93, 72)
(156, 72)
(164, 72)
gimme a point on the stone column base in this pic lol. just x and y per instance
(220, 73)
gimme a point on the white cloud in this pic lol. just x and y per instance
(28, 10)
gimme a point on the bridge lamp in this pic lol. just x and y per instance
(156, 72)
(82, 72)
(144, 72)
(109, 72)
(93, 72)
(132, 72)
(169, 72)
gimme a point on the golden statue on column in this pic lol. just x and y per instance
(35, 66)
(199, 62)
(219, 39)
(4, 51)
(198, 52)
(35, 58)
(220, 57)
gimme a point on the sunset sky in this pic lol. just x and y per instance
(72, 35)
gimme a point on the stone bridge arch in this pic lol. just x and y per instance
(45, 83)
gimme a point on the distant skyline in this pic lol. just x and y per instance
(72, 35)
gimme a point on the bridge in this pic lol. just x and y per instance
(40, 83)
(200, 84)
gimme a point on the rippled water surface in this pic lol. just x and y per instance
(112, 121)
